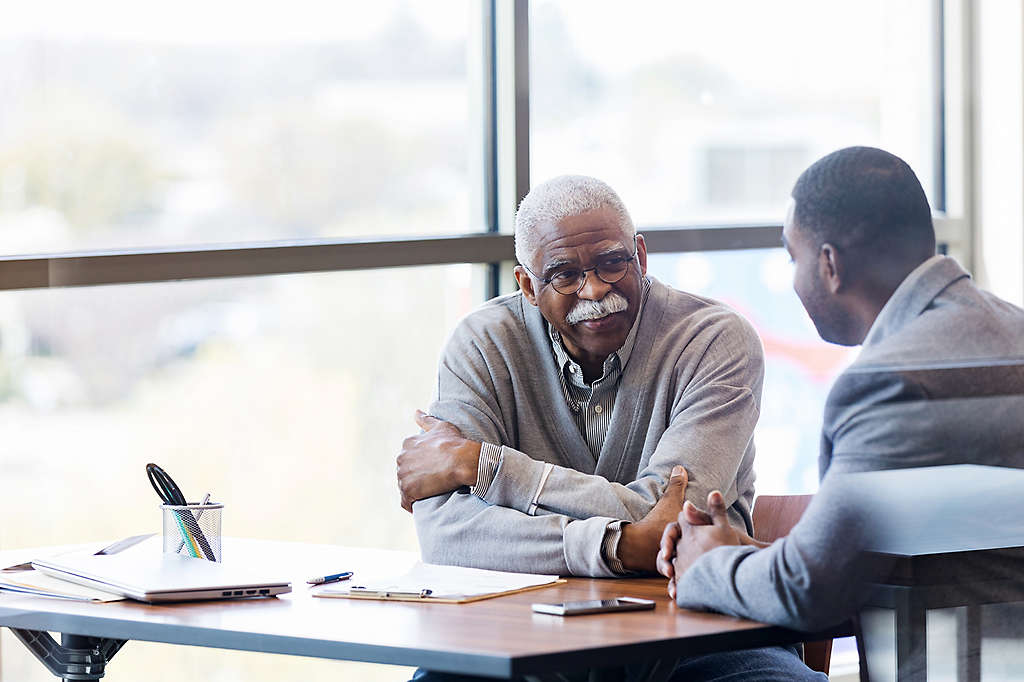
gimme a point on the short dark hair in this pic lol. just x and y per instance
(865, 199)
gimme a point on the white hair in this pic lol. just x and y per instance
(560, 198)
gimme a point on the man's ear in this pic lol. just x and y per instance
(641, 254)
(525, 283)
(831, 268)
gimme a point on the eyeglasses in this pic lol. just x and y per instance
(569, 280)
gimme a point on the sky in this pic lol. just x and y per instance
(224, 21)
(748, 38)
(822, 41)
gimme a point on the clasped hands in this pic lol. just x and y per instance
(694, 533)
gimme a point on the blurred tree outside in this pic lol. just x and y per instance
(74, 153)
(317, 172)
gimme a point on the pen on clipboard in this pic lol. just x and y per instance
(384, 594)
(323, 580)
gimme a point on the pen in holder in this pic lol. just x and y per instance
(193, 529)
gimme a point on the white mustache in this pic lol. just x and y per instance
(613, 302)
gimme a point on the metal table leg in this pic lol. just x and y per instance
(77, 657)
(911, 638)
(968, 644)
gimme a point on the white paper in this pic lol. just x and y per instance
(40, 584)
(444, 582)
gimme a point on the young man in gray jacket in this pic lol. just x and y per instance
(563, 411)
(940, 380)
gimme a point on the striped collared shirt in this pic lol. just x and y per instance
(592, 404)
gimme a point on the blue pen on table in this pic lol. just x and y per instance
(344, 575)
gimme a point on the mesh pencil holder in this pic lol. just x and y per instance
(193, 530)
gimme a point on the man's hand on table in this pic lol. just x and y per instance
(638, 545)
(695, 532)
(436, 461)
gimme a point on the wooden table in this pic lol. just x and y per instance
(499, 637)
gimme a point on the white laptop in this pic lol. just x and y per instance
(152, 576)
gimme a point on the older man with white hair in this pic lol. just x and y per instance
(572, 417)
(561, 410)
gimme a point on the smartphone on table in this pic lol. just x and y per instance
(579, 608)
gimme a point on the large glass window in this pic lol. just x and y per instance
(121, 126)
(706, 112)
(286, 397)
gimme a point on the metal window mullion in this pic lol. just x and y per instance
(968, 59)
(690, 239)
(489, 95)
(512, 113)
(246, 260)
(243, 260)
(939, 103)
(521, 83)
(955, 221)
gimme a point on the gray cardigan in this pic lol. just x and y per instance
(689, 394)
(940, 380)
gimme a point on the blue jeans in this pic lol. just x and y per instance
(770, 664)
(758, 665)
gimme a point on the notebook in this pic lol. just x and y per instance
(155, 577)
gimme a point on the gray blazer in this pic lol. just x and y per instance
(689, 394)
(940, 380)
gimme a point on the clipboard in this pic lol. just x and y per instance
(431, 583)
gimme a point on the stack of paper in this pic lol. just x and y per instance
(23, 578)
(32, 581)
(430, 582)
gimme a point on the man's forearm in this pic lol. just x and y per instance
(463, 530)
(523, 482)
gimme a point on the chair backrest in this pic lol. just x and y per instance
(774, 516)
